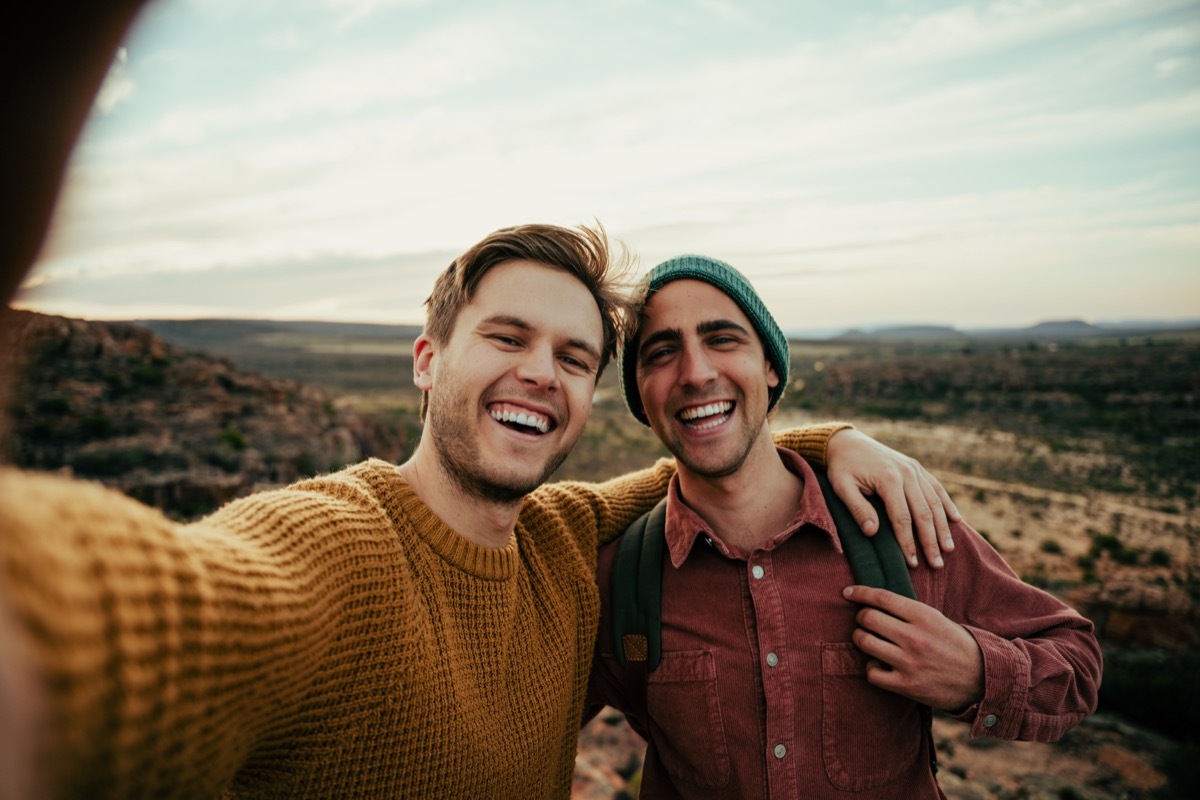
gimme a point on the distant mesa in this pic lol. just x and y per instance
(1049, 330)
(904, 332)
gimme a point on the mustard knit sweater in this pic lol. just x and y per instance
(333, 639)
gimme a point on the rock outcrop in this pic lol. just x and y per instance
(177, 429)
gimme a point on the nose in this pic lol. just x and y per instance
(695, 368)
(538, 367)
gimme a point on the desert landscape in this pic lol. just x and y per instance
(1071, 449)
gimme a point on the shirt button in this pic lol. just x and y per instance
(772, 660)
(780, 751)
(757, 572)
(989, 721)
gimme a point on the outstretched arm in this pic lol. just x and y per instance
(168, 654)
(859, 466)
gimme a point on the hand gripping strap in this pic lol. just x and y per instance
(875, 560)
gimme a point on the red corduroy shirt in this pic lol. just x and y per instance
(761, 692)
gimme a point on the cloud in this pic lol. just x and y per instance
(353, 12)
(329, 85)
(955, 143)
(117, 87)
(331, 286)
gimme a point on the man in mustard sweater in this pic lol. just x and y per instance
(415, 631)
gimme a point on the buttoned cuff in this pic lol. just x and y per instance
(1006, 671)
(811, 441)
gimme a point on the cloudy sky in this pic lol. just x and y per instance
(891, 161)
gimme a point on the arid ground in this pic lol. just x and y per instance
(1076, 458)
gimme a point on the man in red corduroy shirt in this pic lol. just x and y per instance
(778, 677)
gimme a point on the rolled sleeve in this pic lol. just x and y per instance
(1042, 663)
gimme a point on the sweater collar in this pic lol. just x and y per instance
(406, 509)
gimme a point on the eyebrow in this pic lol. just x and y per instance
(712, 326)
(664, 335)
(510, 321)
(676, 334)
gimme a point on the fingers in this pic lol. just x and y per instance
(929, 516)
(949, 508)
(885, 638)
(856, 503)
(887, 654)
(882, 675)
(916, 503)
(895, 500)
(892, 604)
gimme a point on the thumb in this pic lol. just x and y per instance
(858, 505)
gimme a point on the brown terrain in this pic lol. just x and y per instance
(174, 428)
(1076, 462)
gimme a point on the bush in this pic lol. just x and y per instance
(1160, 557)
(95, 426)
(109, 463)
(1155, 688)
(150, 374)
(233, 438)
(1182, 767)
(1126, 555)
(1051, 546)
(1037, 577)
(1105, 542)
(52, 406)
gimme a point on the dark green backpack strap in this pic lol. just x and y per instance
(875, 560)
(637, 589)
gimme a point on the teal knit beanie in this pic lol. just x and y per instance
(732, 283)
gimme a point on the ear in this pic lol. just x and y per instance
(423, 355)
(772, 378)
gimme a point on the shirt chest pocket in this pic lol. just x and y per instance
(869, 736)
(685, 719)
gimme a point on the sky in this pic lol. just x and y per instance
(878, 162)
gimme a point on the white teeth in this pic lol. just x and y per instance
(709, 410)
(527, 419)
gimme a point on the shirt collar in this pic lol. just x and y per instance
(684, 527)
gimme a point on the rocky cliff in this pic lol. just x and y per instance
(174, 428)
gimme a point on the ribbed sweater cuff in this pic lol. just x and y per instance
(811, 441)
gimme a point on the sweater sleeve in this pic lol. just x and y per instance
(171, 654)
(811, 441)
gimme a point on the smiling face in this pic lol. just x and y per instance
(703, 377)
(511, 389)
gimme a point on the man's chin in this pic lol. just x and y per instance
(709, 465)
(512, 486)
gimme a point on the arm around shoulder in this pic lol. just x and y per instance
(810, 441)
(600, 512)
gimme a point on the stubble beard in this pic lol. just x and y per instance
(459, 457)
(727, 466)
(721, 470)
